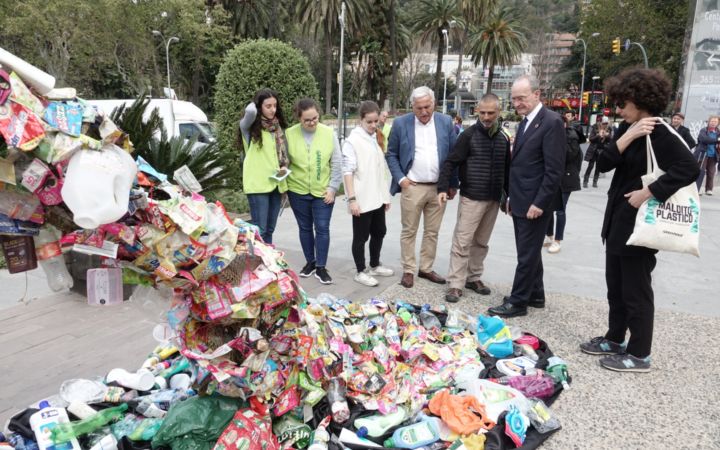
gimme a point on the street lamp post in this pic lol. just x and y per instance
(447, 50)
(591, 97)
(582, 74)
(341, 116)
(167, 55)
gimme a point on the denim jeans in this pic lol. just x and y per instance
(264, 211)
(561, 218)
(312, 211)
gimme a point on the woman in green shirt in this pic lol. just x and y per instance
(266, 159)
(315, 165)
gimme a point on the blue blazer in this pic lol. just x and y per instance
(538, 164)
(401, 147)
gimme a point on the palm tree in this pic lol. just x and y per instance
(432, 18)
(497, 42)
(320, 19)
(248, 18)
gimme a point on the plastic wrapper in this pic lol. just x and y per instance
(20, 127)
(65, 116)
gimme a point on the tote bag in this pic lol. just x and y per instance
(672, 225)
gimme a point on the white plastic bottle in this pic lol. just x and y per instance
(42, 424)
(51, 259)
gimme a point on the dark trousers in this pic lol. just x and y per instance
(368, 225)
(264, 211)
(589, 169)
(528, 281)
(312, 211)
(630, 297)
(559, 232)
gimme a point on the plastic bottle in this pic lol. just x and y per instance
(45, 421)
(379, 424)
(65, 432)
(142, 380)
(81, 410)
(414, 436)
(320, 436)
(336, 394)
(557, 368)
(428, 319)
(17, 205)
(51, 259)
(146, 407)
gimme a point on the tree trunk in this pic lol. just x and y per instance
(328, 74)
(491, 73)
(271, 25)
(393, 54)
(438, 87)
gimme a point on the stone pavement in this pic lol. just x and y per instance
(56, 337)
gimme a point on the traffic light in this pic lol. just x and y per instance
(616, 46)
(586, 98)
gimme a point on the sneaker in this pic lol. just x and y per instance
(554, 247)
(323, 276)
(585, 184)
(380, 271)
(626, 363)
(602, 346)
(594, 184)
(548, 241)
(708, 192)
(364, 278)
(308, 270)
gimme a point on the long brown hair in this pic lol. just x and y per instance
(256, 127)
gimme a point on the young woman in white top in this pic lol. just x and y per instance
(367, 187)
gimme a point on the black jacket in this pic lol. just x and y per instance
(672, 157)
(483, 157)
(597, 143)
(687, 137)
(573, 160)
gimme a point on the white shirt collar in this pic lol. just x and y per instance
(420, 124)
(530, 117)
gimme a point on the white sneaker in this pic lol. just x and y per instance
(364, 278)
(708, 192)
(380, 271)
(554, 247)
(548, 241)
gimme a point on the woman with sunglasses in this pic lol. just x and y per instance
(316, 174)
(640, 95)
(266, 160)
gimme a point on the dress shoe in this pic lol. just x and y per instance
(534, 303)
(478, 286)
(432, 276)
(407, 280)
(453, 295)
(507, 310)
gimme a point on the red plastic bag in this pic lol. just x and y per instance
(20, 127)
(248, 431)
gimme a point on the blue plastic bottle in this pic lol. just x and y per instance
(413, 436)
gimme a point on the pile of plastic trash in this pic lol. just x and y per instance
(249, 361)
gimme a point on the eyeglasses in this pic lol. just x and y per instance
(313, 120)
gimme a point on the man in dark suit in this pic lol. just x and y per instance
(536, 168)
(418, 145)
(678, 119)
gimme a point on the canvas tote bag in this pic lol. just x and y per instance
(673, 225)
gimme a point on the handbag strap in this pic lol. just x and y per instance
(650, 156)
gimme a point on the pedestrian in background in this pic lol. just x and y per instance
(419, 143)
(640, 95)
(569, 183)
(266, 160)
(600, 136)
(677, 121)
(384, 126)
(536, 168)
(482, 154)
(368, 195)
(458, 125)
(706, 154)
(316, 174)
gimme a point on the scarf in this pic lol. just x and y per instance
(272, 126)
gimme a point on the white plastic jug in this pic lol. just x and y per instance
(97, 185)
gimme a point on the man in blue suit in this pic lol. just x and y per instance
(536, 168)
(418, 146)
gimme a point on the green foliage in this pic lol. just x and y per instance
(250, 66)
(141, 131)
(233, 200)
(3, 263)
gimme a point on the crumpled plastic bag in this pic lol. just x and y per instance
(463, 414)
(248, 431)
(196, 423)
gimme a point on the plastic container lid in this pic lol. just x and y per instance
(362, 432)
(44, 404)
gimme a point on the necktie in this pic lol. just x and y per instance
(520, 133)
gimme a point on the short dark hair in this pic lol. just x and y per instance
(303, 105)
(368, 107)
(648, 89)
(679, 114)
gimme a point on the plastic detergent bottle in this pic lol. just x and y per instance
(557, 368)
(42, 424)
(414, 436)
(378, 424)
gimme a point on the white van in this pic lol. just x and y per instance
(180, 118)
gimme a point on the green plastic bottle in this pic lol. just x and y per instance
(379, 424)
